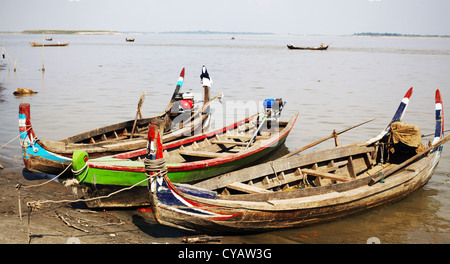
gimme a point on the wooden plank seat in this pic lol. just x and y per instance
(326, 175)
(246, 188)
(204, 154)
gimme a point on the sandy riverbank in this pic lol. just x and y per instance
(51, 223)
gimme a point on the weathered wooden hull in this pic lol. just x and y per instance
(138, 196)
(230, 216)
(53, 157)
(105, 175)
(302, 190)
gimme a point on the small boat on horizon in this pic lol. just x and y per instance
(322, 47)
(35, 44)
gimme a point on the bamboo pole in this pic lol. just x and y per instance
(333, 135)
(138, 112)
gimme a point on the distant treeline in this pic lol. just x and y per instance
(397, 35)
(215, 32)
(55, 31)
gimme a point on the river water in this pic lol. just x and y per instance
(97, 80)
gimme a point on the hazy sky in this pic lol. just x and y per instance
(276, 16)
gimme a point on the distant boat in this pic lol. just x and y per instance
(129, 39)
(49, 39)
(35, 44)
(290, 46)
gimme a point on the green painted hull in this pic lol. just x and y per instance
(96, 176)
(103, 176)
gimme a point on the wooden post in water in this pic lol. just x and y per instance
(43, 68)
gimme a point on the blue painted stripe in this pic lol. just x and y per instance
(400, 110)
(438, 131)
(43, 154)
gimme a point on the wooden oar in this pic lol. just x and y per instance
(432, 134)
(408, 161)
(138, 113)
(325, 138)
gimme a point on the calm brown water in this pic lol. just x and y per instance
(97, 80)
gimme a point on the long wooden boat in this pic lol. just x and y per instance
(35, 44)
(54, 157)
(301, 190)
(290, 46)
(188, 160)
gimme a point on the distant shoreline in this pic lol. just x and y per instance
(203, 32)
(83, 32)
(372, 34)
(67, 32)
(113, 32)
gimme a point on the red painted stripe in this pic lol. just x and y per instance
(182, 73)
(232, 157)
(171, 145)
(201, 164)
(206, 135)
(408, 94)
(438, 97)
(200, 206)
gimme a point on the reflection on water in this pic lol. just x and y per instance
(97, 80)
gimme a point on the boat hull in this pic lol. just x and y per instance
(101, 182)
(105, 175)
(54, 157)
(225, 216)
(307, 48)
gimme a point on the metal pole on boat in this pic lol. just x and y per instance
(256, 132)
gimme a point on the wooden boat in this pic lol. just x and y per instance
(35, 44)
(53, 157)
(129, 39)
(299, 190)
(188, 160)
(290, 46)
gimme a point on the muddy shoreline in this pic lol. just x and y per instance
(61, 223)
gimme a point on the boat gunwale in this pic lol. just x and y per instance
(195, 165)
(261, 201)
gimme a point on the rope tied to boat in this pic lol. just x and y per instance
(76, 173)
(155, 167)
(21, 143)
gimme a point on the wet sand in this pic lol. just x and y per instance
(69, 222)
